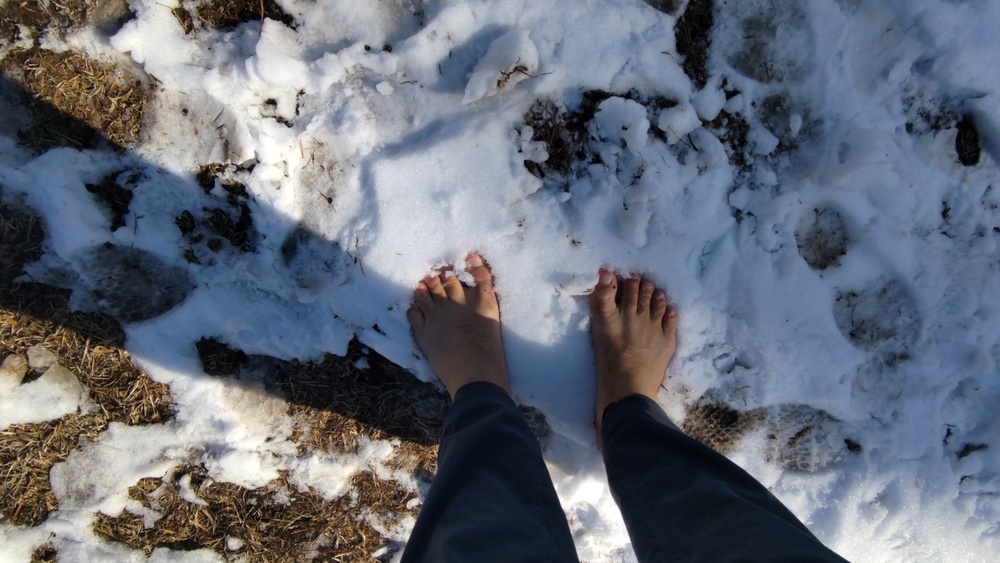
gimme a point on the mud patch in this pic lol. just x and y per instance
(693, 33)
(313, 263)
(208, 229)
(217, 359)
(718, 425)
(733, 130)
(797, 437)
(21, 240)
(822, 238)
(803, 438)
(115, 197)
(75, 101)
(757, 53)
(129, 284)
(967, 143)
(881, 313)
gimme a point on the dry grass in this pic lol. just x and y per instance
(39, 17)
(273, 523)
(226, 14)
(89, 345)
(44, 554)
(76, 101)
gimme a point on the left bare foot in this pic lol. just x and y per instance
(457, 327)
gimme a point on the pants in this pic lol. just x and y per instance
(493, 499)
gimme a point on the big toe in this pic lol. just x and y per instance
(602, 298)
(480, 272)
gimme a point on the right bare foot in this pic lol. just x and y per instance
(457, 327)
(634, 338)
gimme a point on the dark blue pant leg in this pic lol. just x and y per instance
(682, 501)
(492, 498)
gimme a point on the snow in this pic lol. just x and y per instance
(399, 160)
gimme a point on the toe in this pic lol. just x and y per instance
(453, 288)
(602, 298)
(480, 273)
(434, 286)
(630, 294)
(415, 316)
(646, 289)
(670, 324)
(659, 306)
(422, 298)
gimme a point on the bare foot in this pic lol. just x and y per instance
(457, 327)
(634, 338)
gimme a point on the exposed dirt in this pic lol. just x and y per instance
(75, 101)
(227, 14)
(693, 31)
(967, 143)
(565, 132)
(733, 130)
(717, 425)
(822, 237)
(114, 196)
(208, 229)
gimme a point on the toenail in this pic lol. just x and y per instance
(605, 279)
(474, 261)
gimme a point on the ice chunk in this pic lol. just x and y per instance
(708, 103)
(56, 393)
(763, 141)
(511, 58)
(39, 357)
(678, 121)
(278, 59)
(619, 119)
(12, 371)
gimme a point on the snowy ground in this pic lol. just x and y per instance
(834, 263)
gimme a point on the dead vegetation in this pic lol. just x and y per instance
(32, 19)
(38, 17)
(75, 101)
(272, 523)
(335, 404)
(227, 14)
(89, 345)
